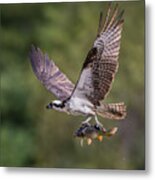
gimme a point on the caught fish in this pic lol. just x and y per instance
(91, 132)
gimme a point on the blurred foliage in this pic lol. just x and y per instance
(31, 135)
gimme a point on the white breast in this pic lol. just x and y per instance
(78, 106)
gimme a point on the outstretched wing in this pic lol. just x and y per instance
(50, 75)
(101, 63)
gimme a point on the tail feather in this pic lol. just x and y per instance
(115, 111)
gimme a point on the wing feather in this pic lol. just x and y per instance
(50, 75)
(101, 63)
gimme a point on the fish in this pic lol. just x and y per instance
(91, 132)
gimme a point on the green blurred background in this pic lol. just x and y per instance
(32, 136)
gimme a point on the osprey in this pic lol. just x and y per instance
(97, 74)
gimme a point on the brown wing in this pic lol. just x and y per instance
(101, 63)
(50, 75)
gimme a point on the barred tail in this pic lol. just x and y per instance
(115, 111)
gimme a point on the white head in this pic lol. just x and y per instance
(57, 105)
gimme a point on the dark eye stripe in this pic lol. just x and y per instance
(59, 105)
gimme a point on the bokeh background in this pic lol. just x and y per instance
(30, 135)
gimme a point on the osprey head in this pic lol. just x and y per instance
(56, 104)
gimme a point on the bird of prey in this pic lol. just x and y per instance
(97, 74)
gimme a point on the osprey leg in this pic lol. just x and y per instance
(87, 120)
(98, 122)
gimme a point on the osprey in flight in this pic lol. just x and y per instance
(97, 74)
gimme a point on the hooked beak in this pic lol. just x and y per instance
(49, 106)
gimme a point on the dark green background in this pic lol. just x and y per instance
(32, 136)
